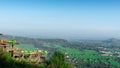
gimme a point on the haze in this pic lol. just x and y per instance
(86, 19)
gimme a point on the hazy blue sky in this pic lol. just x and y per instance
(84, 19)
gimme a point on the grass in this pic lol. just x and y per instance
(28, 47)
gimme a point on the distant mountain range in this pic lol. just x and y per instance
(37, 41)
(112, 40)
(41, 43)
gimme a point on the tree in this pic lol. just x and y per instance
(57, 60)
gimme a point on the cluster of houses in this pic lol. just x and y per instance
(36, 56)
(104, 52)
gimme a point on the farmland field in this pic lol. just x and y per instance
(91, 56)
(27, 47)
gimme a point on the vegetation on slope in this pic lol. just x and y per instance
(57, 60)
(90, 58)
(85, 51)
(6, 61)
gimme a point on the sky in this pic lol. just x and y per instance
(76, 19)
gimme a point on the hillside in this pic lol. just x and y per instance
(43, 44)
(31, 48)
(92, 53)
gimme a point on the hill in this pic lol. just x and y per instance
(87, 51)
(112, 40)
